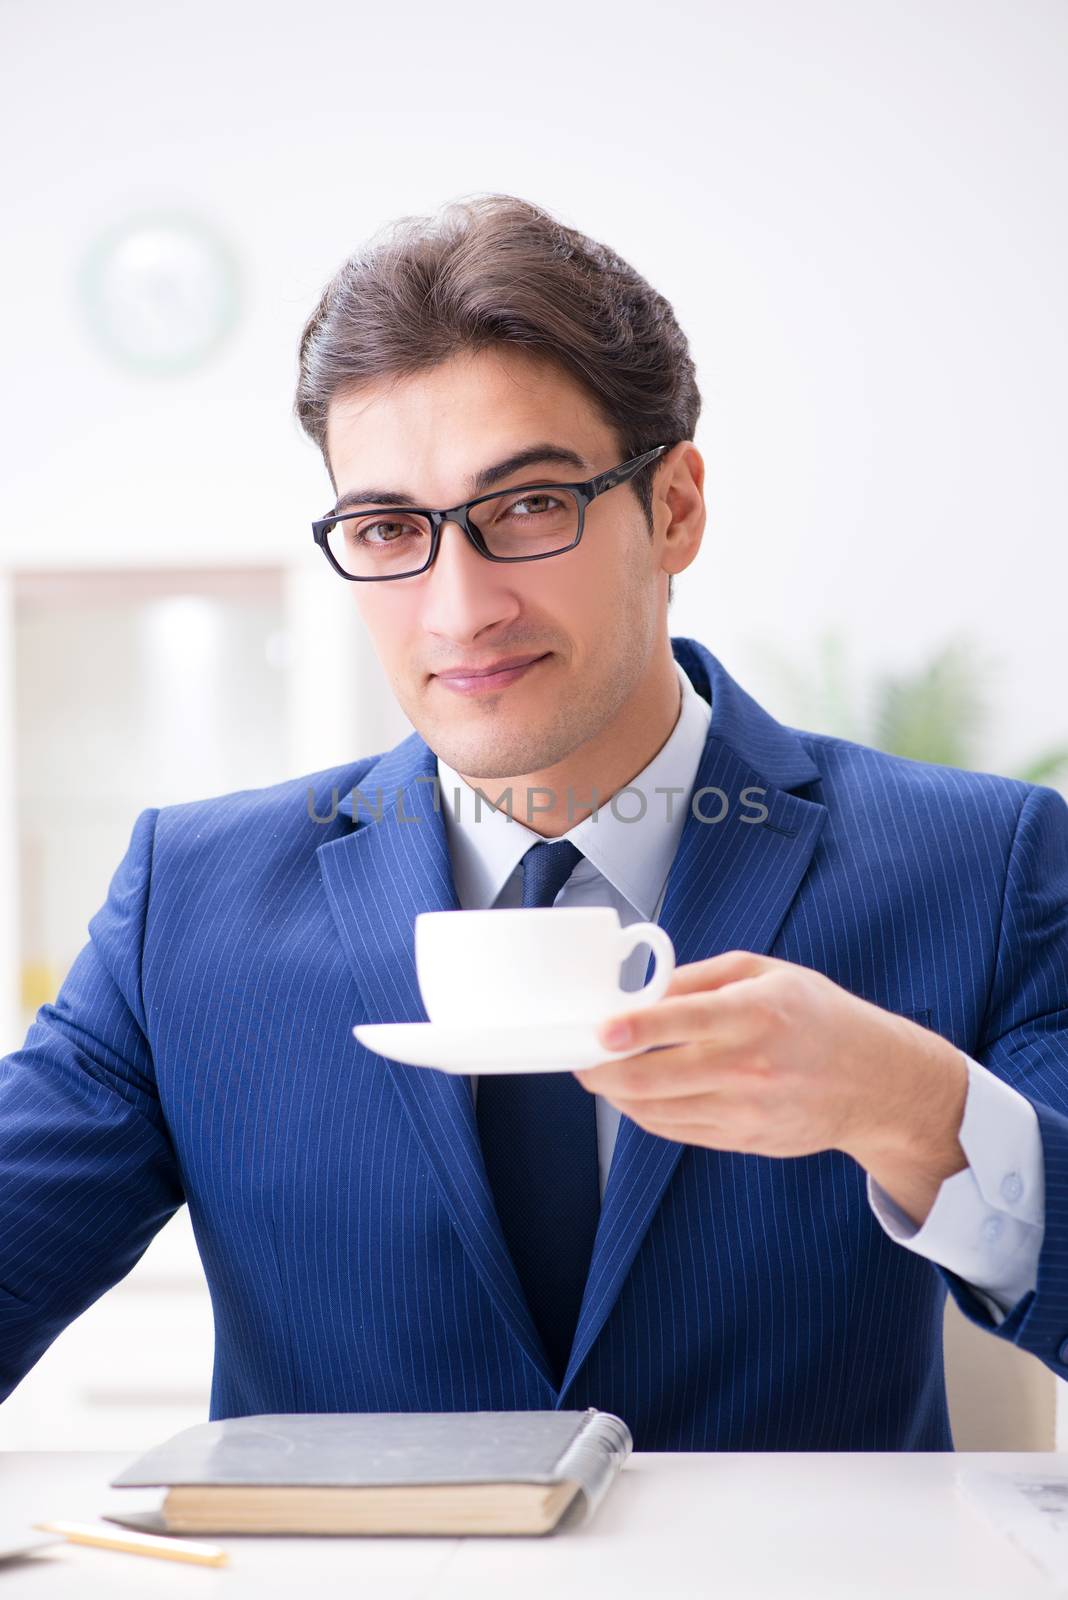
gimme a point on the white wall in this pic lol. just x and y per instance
(857, 211)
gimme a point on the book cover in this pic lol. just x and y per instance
(364, 1450)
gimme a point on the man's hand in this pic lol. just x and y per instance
(748, 1053)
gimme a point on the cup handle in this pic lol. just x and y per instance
(652, 934)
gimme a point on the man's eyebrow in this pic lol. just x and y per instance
(534, 455)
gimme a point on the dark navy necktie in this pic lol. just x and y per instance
(539, 1144)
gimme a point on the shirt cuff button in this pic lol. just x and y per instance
(1011, 1186)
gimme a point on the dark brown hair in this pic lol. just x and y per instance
(497, 270)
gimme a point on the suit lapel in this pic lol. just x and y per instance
(377, 878)
(730, 886)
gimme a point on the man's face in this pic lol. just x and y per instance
(592, 614)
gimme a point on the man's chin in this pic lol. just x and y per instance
(484, 761)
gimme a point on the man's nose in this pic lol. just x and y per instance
(465, 590)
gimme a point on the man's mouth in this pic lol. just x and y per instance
(474, 680)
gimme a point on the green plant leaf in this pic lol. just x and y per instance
(936, 713)
(1043, 768)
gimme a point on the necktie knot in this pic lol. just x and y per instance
(546, 868)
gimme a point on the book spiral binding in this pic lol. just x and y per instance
(595, 1456)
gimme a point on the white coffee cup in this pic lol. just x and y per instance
(536, 964)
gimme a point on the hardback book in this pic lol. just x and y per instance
(451, 1472)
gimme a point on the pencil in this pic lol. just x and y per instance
(139, 1544)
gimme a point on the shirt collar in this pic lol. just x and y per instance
(635, 855)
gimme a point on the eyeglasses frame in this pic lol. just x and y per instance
(584, 493)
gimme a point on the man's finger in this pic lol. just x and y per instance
(715, 972)
(717, 1019)
(680, 1070)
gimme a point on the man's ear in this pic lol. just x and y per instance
(679, 505)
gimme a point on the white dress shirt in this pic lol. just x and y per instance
(986, 1223)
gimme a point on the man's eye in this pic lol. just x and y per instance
(383, 532)
(540, 503)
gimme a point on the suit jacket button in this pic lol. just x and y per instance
(1062, 1353)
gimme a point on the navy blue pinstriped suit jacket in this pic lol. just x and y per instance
(200, 1049)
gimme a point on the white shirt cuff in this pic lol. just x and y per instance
(987, 1221)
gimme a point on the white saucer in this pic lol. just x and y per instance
(522, 1047)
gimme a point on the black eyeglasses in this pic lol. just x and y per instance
(372, 546)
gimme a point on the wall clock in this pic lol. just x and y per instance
(160, 292)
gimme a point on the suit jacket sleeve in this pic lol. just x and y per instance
(1024, 1040)
(88, 1173)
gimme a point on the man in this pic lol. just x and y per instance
(852, 1097)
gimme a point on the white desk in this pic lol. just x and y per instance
(674, 1527)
